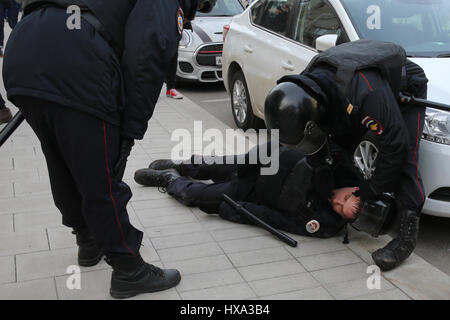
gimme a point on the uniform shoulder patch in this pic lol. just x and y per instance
(373, 125)
(313, 226)
(350, 108)
(180, 20)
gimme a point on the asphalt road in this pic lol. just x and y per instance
(434, 236)
(212, 97)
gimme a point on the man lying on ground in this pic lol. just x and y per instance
(297, 199)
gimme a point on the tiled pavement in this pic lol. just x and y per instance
(217, 259)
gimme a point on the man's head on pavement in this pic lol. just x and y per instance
(345, 203)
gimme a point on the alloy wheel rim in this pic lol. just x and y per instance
(365, 158)
(239, 101)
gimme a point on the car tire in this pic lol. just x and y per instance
(241, 106)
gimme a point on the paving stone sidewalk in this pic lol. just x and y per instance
(217, 259)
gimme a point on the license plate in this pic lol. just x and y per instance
(219, 61)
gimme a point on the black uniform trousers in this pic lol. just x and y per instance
(171, 74)
(411, 194)
(207, 197)
(80, 151)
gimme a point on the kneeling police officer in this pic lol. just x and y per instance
(346, 92)
(88, 92)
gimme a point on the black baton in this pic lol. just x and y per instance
(280, 235)
(11, 127)
(413, 101)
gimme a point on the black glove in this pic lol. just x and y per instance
(324, 182)
(366, 192)
(125, 149)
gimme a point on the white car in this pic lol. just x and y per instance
(200, 50)
(273, 38)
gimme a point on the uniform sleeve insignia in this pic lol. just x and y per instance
(373, 125)
(180, 20)
(350, 108)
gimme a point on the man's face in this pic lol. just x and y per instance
(345, 203)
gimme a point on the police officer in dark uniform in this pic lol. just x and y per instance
(314, 98)
(86, 74)
(290, 200)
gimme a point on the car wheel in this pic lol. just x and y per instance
(241, 105)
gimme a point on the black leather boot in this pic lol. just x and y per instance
(156, 178)
(132, 276)
(164, 164)
(400, 248)
(89, 253)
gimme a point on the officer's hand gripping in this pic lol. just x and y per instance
(125, 149)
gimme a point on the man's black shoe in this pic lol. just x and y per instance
(88, 252)
(132, 276)
(164, 164)
(1, 52)
(400, 248)
(156, 178)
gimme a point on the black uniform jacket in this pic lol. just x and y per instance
(369, 106)
(79, 69)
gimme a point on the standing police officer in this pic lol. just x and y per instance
(88, 92)
(331, 98)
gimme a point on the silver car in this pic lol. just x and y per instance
(200, 50)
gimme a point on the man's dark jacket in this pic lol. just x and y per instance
(287, 200)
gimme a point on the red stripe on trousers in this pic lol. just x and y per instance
(415, 156)
(110, 192)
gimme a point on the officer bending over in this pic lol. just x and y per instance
(290, 200)
(88, 92)
(346, 92)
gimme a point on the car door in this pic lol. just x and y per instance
(286, 48)
(263, 48)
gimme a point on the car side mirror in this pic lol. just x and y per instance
(326, 42)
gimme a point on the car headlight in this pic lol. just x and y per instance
(186, 39)
(437, 126)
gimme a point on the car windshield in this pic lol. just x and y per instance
(422, 27)
(224, 8)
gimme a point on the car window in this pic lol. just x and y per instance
(317, 18)
(224, 8)
(273, 15)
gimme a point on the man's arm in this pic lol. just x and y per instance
(151, 39)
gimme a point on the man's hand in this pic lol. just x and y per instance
(125, 149)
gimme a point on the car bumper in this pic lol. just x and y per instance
(189, 69)
(435, 170)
